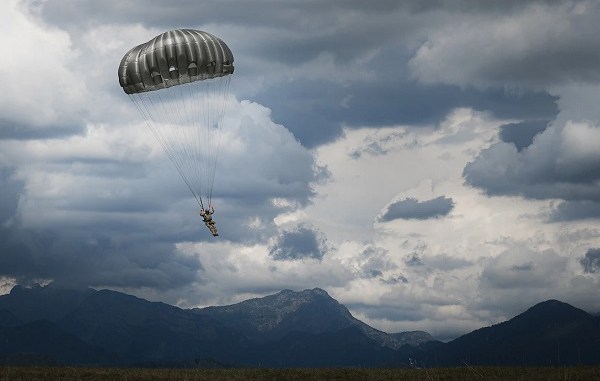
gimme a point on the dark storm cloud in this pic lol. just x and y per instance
(314, 109)
(501, 171)
(189, 12)
(88, 259)
(96, 254)
(561, 163)
(521, 134)
(303, 242)
(591, 261)
(575, 210)
(549, 52)
(258, 12)
(411, 208)
(20, 131)
(274, 31)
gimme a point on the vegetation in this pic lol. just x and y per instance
(264, 374)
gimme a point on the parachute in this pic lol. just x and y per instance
(179, 81)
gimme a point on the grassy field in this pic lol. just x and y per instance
(342, 374)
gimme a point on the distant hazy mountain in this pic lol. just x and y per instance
(309, 311)
(52, 325)
(549, 333)
(412, 338)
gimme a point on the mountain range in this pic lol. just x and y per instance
(52, 325)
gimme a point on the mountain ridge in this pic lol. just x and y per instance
(312, 311)
(305, 328)
(535, 336)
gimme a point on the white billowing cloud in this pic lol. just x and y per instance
(123, 168)
(404, 159)
(261, 159)
(40, 83)
(542, 44)
(102, 47)
(232, 272)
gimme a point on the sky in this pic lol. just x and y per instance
(432, 165)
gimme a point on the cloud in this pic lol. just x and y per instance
(70, 247)
(445, 262)
(395, 280)
(107, 208)
(416, 93)
(591, 261)
(377, 145)
(521, 266)
(316, 76)
(302, 242)
(562, 162)
(411, 208)
(413, 260)
(384, 101)
(521, 134)
(542, 44)
(84, 257)
(521, 273)
(575, 210)
(374, 263)
(40, 91)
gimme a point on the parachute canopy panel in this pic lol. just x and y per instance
(172, 58)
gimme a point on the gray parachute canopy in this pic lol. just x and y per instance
(172, 58)
(179, 82)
